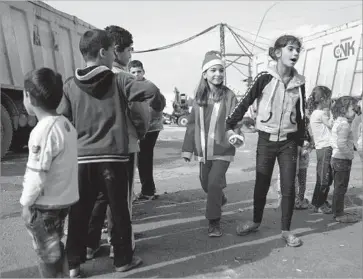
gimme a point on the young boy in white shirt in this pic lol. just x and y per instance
(50, 184)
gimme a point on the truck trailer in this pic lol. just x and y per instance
(332, 58)
(32, 35)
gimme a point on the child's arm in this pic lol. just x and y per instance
(343, 131)
(327, 121)
(136, 94)
(253, 92)
(42, 150)
(189, 144)
(64, 107)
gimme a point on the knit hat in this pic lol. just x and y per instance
(212, 58)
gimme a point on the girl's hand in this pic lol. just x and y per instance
(186, 159)
(236, 140)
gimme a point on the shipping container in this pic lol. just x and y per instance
(32, 35)
(332, 58)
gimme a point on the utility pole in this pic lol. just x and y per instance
(223, 49)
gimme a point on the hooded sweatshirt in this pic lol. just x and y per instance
(280, 110)
(133, 138)
(95, 100)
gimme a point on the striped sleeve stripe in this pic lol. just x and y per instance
(102, 158)
(247, 91)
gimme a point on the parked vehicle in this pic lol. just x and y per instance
(32, 35)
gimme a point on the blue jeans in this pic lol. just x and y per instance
(324, 176)
(341, 172)
(46, 228)
(286, 154)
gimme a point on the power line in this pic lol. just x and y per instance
(240, 38)
(178, 43)
(263, 18)
(254, 34)
(241, 45)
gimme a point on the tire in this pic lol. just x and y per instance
(183, 121)
(6, 131)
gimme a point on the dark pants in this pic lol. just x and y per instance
(145, 163)
(341, 173)
(324, 176)
(110, 178)
(286, 154)
(97, 220)
(212, 176)
(46, 228)
(130, 188)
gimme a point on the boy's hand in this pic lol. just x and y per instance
(26, 214)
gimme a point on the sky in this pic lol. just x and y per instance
(159, 23)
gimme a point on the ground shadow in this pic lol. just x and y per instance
(172, 237)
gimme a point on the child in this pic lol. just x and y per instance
(97, 101)
(51, 176)
(147, 144)
(280, 122)
(206, 136)
(319, 103)
(343, 153)
(123, 47)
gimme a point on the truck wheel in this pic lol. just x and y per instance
(183, 121)
(6, 131)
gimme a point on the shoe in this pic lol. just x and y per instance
(91, 253)
(291, 239)
(301, 204)
(112, 254)
(214, 229)
(323, 209)
(327, 204)
(75, 272)
(346, 218)
(136, 261)
(143, 197)
(224, 200)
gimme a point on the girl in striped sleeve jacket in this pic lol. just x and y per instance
(206, 136)
(280, 122)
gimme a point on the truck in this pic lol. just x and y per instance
(332, 58)
(181, 108)
(32, 35)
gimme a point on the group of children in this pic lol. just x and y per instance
(83, 151)
(288, 130)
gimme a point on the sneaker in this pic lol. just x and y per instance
(327, 204)
(136, 261)
(346, 218)
(301, 204)
(323, 209)
(214, 229)
(112, 254)
(91, 253)
(224, 200)
(75, 272)
(143, 197)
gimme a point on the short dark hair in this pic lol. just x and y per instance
(45, 86)
(281, 42)
(122, 37)
(135, 64)
(92, 41)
